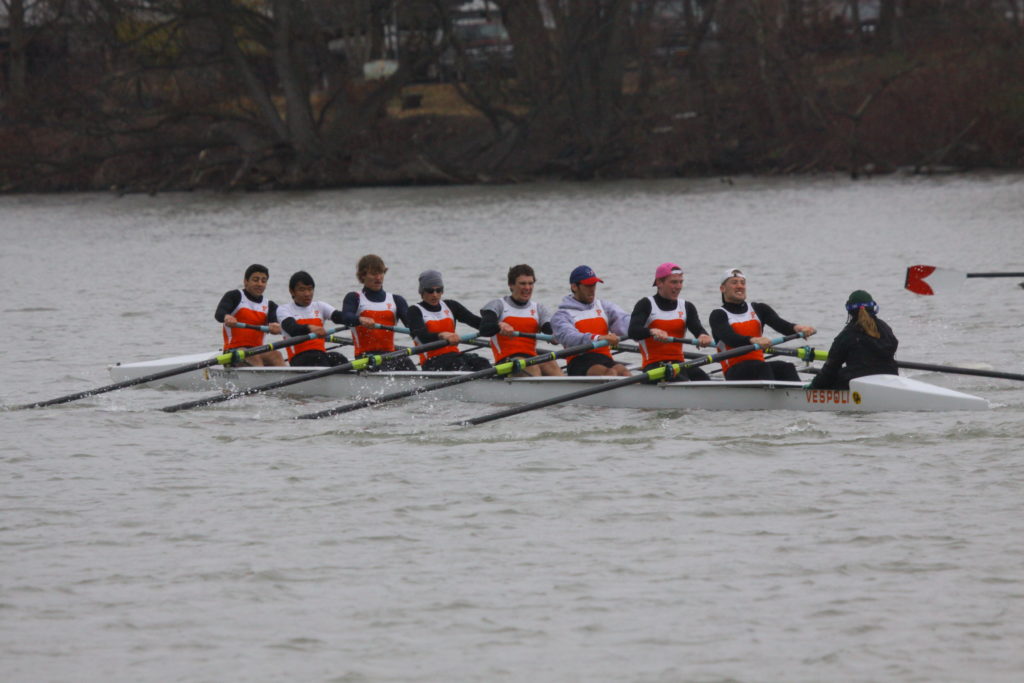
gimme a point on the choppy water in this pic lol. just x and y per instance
(233, 543)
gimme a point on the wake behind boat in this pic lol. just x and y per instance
(877, 393)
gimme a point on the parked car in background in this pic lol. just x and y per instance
(477, 45)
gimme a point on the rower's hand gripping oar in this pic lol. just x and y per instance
(909, 365)
(357, 364)
(226, 358)
(654, 374)
(506, 368)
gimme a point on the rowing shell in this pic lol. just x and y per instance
(878, 393)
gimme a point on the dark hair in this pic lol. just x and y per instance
(300, 278)
(371, 263)
(256, 268)
(522, 269)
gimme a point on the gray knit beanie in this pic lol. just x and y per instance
(430, 279)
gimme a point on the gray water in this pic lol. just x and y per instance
(233, 543)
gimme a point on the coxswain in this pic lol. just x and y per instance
(504, 320)
(866, 346)
(581, 318)
(373, 306)
(248, 306)
(434, 318)
(304, 316)
(663, 316)
(738, 323)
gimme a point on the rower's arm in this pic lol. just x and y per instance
(402, 310)
(488, 323)
(772, 319)
(349, 309)
(693, 323)
(463, 314)
(641, 312)
(228, 303)
(418, 328)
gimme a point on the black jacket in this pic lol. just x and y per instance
(855, 354)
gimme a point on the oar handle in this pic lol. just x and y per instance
(465, 338)
(390, 328)
(677, 340)
(247, 326)
(530, 335)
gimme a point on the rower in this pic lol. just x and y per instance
(434, 318)
(738, 323)
(866, 346)
(373, 306)
(501, 320)
(304, 316)
(248, 306)
(664, 316)
(582, 318)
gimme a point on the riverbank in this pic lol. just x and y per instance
(945, 111)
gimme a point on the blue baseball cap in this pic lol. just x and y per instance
(583, 275)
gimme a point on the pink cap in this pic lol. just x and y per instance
(666, 269)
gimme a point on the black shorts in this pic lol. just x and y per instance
(756, 369)
(318, 358)
(451, 362)
(579, 365)
(390, 364)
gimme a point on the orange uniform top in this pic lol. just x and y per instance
(316, 313)
(251, 313)
(528, 318)
(365, 339)
(437, 321)
(672, 322)
(747, 324)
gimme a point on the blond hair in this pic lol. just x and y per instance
(866, 322)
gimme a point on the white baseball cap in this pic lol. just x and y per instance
(733, 272)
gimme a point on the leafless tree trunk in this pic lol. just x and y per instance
(17, 67)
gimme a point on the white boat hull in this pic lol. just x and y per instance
(878, 393)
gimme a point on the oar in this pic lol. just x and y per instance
(247, 326)
(823, 355)
(540, 336)
(357, 364)
(233, 356)
(939, 278)
(506, 368)
(654, 374)
(471, 340)
(635, 348)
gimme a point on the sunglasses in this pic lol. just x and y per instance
(433, 290)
